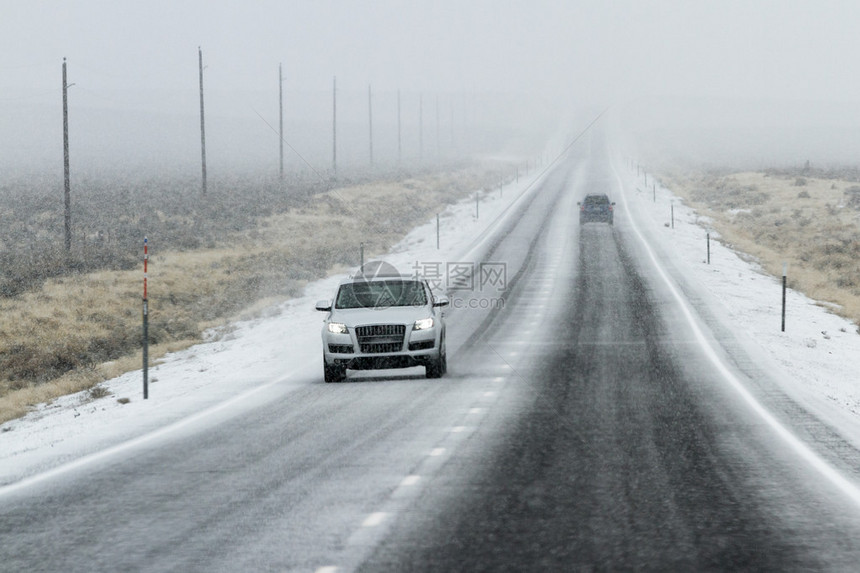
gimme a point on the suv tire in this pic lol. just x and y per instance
(437, 367)
(333, 373)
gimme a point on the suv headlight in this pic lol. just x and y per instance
(337, 328)
(423, 324)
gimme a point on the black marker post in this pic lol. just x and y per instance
(784, 273)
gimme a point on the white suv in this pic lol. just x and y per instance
(377, 322)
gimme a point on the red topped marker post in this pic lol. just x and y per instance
(145, 322)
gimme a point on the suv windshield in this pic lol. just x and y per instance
(596, 200)
(381, 294)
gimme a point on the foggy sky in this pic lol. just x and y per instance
(590, 49)
(556, 54)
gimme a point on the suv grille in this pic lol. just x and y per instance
(378, 338)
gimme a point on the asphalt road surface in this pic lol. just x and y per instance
(582, 426)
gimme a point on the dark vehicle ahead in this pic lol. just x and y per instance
(595, 207)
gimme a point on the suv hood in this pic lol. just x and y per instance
(389, 315)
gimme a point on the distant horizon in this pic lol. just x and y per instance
(517, 67)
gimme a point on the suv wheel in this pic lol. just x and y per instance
(437, 367)
(333, 373)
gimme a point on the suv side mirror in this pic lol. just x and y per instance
(324, 305)
(441, 301)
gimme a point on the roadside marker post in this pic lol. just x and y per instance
(708, 239)
(784, 273)
(145, 321)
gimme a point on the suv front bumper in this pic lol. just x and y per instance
(418, 348)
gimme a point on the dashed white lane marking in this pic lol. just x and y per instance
(407, 488)
(327, 569)
(538, 290)
(374, 519)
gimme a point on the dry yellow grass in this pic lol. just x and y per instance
(807, 222)
(17, 403)
(77, 331)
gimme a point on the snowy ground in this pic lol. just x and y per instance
(818, 357)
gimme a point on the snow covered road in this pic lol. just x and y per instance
(582, 424)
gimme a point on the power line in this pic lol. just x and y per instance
(287, 143)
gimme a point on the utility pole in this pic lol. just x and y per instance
(399, 132)
(452, 124)
(465, 139)
(67, 187)
(334, 127)
(438, 146)
(202, 121)
(421, 127)
(281, 114)
(370, 121)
